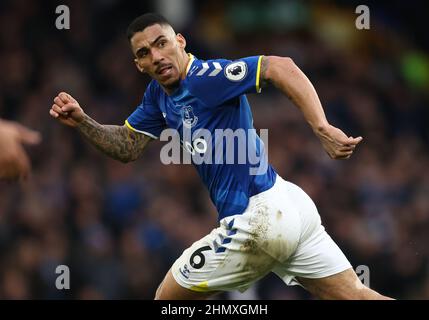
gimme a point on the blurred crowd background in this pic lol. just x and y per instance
(119, 227)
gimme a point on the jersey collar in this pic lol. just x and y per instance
(191, 60)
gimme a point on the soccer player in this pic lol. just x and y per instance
(266, 224)
(14, 162)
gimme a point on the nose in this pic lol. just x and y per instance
(156, 57)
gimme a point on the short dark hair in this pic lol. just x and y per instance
(145, 20)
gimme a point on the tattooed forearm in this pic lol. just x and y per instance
(118, 142)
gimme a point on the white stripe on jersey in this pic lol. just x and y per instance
(204, 69)
(218, 68)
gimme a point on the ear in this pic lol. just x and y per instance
(181, 40)
(139, 67)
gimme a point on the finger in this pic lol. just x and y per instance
(58, 101)
(53, 113)
(348, 153)
(71, 99)
(64, 97)
(342, 154)
(347, 148)
(69, 107)
(30, 136)
(358, 139)
(344, 157)
(354, 141)
(341, 139)
(348, 141)
(58, 110)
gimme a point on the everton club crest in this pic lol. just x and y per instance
(188, 117)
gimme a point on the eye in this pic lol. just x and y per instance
(162, 43)
(142, 52)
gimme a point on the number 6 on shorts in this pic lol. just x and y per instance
(198, 253)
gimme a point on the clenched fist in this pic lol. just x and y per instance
(67, 110)
(14, 162)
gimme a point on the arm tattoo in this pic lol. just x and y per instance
(263, 78)
(118, 142)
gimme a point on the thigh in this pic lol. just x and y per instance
(317, 255)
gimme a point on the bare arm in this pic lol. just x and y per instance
(288, 78)
(118, 142)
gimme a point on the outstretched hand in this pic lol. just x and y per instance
(336, 143)
(14, 162)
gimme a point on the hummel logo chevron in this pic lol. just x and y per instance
(206, 67)
(218, 68)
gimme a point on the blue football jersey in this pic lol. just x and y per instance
(210, 102)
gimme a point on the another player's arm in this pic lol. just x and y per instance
(284, 74)
(14, 161)
(118, 142)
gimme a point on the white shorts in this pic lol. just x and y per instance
(279, 232)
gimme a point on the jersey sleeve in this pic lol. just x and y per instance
(147, 118)
(217, 81)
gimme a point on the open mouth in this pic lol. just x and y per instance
(165, 70)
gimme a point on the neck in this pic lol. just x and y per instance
(186, 59)
(183, 65)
